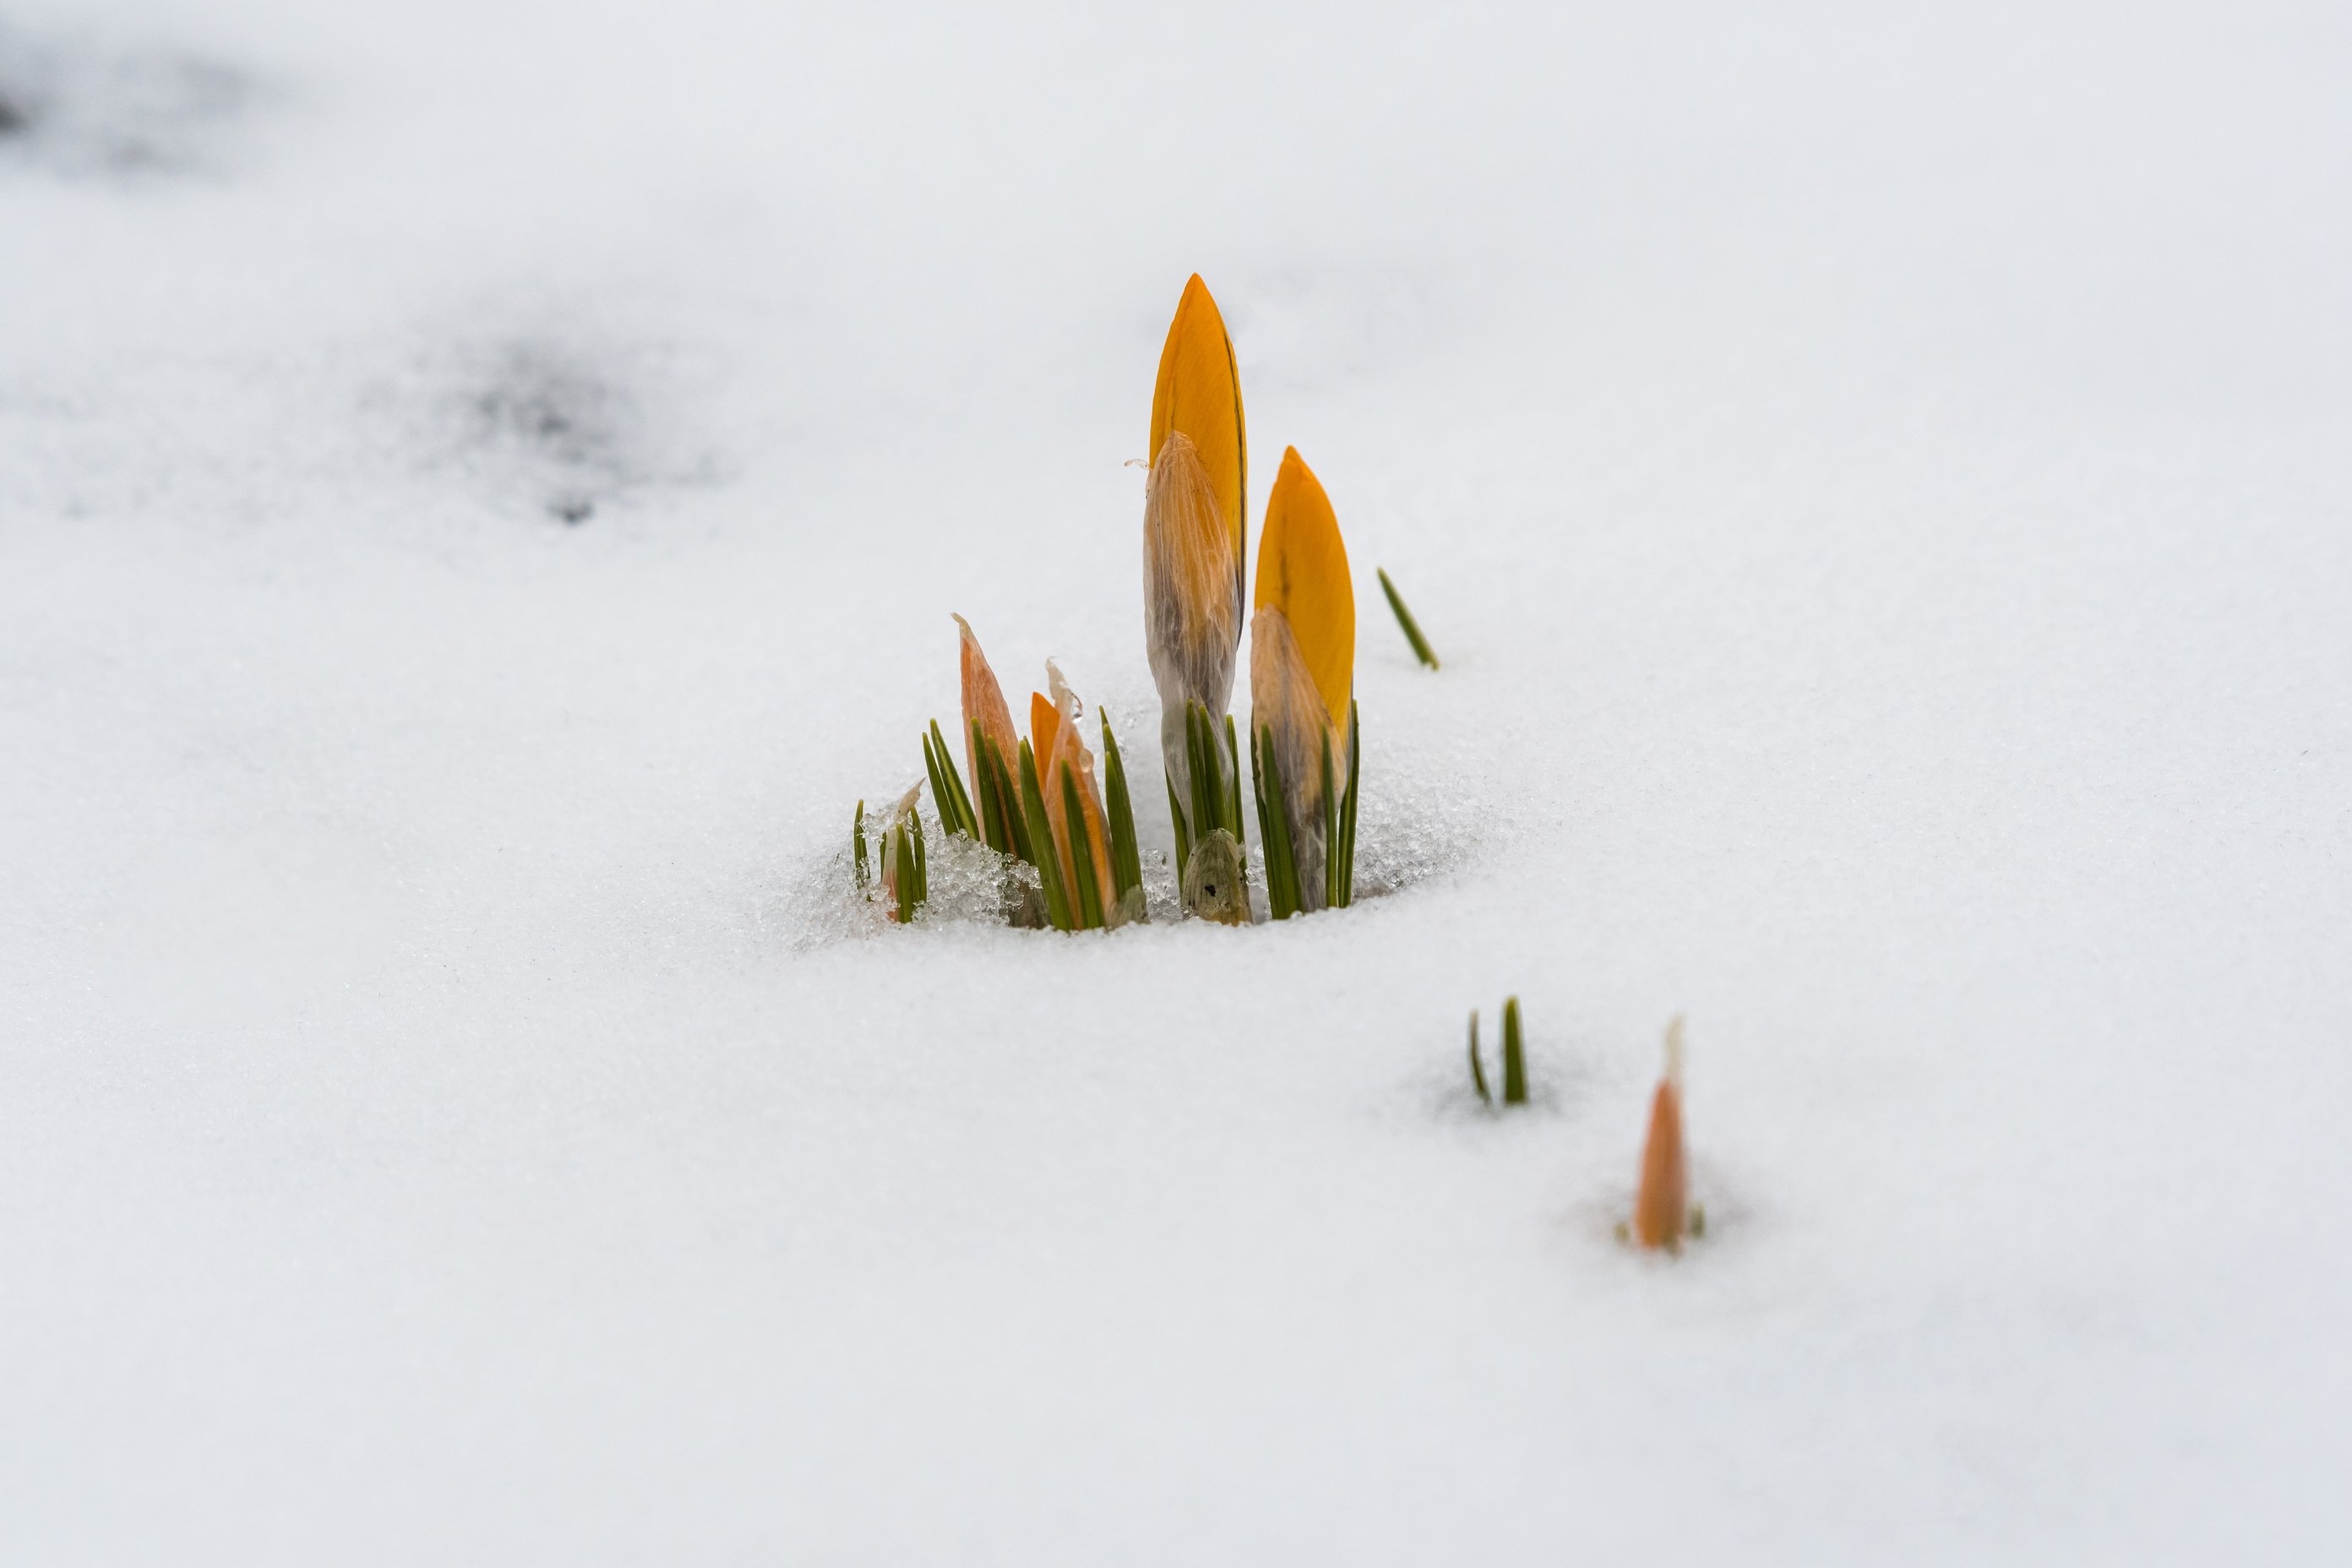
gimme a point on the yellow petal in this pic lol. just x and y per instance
(1302, 570)
(1200, 392)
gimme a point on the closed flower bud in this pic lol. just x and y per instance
(1193, 527)
(1303, 659)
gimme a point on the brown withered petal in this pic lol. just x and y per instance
(1192, 598)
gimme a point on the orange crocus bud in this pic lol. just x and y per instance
(1662, 1208)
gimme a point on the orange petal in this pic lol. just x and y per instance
(1663, 1207)
(1059, 747)
(1200, 392)
(1302, 570)
(1081, 764)
(1044, 728)
(1044, 734)
(984, 699)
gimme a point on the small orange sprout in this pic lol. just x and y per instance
(1662, 1208)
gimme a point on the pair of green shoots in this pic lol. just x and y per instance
(1515, 1058)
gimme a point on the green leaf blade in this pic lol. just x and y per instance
(1411, 628)
(1515, 1056)
(1041, 839)
(1089, 911)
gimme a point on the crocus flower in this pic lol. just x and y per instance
(1303, 657)
(1193, 527)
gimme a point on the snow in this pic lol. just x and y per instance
(1877, 481)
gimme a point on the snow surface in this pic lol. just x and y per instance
(482, 490)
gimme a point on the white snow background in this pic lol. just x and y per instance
(1880, 480)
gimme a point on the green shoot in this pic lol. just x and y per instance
(1082, 859)
(1515, 1056)
(1183, 839)
(1404, 619)
(956, 815)
(1126, 855)
(1210, 798)
(1330, 829)
(858, 846)
(1015, 819)
(1041, 840)
(1233, 823)
(1478, 1067)
(947, 789)
(906, 865)
(1216, 777)
(1274, 832)
(923, 867)
(1346, 858)
(992, 803)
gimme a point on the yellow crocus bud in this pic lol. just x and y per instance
(1303, 656)
(1193, 528)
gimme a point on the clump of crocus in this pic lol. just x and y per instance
(1037, 801)
(1662, 1214)
(1194, 552)
(1304, 745)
